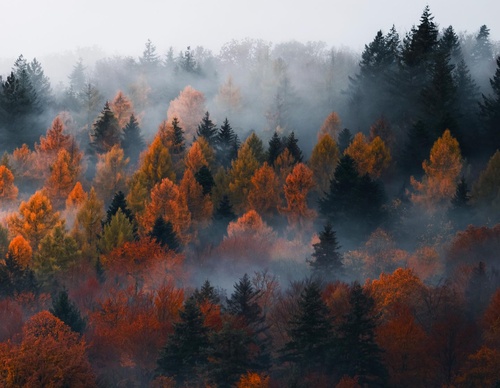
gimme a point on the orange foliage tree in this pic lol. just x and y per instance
(200, 206)
(76, 197)
(35, 220)
(195, 159)
(264, 195)
(8, 190)
(110, 173)
(331, 126)
(122, 107)
(441, 172)
(20, 249)
(49, 355)
(371, 158)
(64, 173)
(242, 170)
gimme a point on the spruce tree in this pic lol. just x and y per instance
(208, 130)
(275, 148)
(66, 310)
(345, 140)
(178, 140)
(293, 147)
(417, 149)
(185, 353)
(164, 234)
(226, 140)
(490, 114)
(224, 211)
(119, 202)
(14, 279)
(206, 293)
(359, 355)
(310, 332)
(326, 259)
(132, 141)
(204, 177)
(105, 131)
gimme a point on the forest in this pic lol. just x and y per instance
(275, 215)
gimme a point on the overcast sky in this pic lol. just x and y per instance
(38, 27)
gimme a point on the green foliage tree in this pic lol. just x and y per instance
(105, 131)
(275, 148)
(490, 113)
(118, 231)
(132, 142)
(208, 130)
(226, 144)
(14, 279)
(66, 310)
(326, 259)
(205, 178)
(164, 234)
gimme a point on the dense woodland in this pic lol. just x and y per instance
(272, 216)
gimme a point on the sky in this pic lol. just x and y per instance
(36, 28)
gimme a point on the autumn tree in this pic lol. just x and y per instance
(331, 126)
(35, 220)
(228, 98)
(63, 176)
(105, 131)
(371, 158)
(242, 170)
(324, 159)
(441, 173)
(110, 173)
(76, 196)
(264, 194)
(257, 147)
(486, 191)
(118, 231)
(200, 205)
(20, 250)
(195, 159)
(188, 107)
(298, 185)
(49, 355)
(8, 190)
(88, 224)
(122, 108)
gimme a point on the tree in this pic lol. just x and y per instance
(204, 177)
(66, 310)
(441, 172)
(460, 201)
(105, 131)
(20, 250)
(163, 233)
(15, 280)
(132, 141)
(331, 126)
(110, 173)
(275, 148)
(326, 259)
(64, 174)
(359, 353)
(293, 147)
(55, 138)
(35, 220)
(324, 159)
(195, 159)
(208, 130)
(185, 352)
(310, 332)
(482, 50)
(119, 202)
(49, 355)
(188, 107)
(490, 112)
(264, 195)
(257, 147)
(76, 197)
(117, 232)
(40, 83)
(486, 190)
(8, 190)
(371, 158)
(345, 140)
(88, 224)
(228, 98)
(298, 185)
(242, 170)
(200, 205)
(122, 108)
(150, 59)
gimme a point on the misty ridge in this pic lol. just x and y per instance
(273, 215)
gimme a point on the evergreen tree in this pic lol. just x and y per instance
(490, 114)
(359, 354)
(185, 353)
(206, 293)
(326, 259)
(293, 147)
(64, 309)
(105, 131)
(119, 202)
(417, 149)
(345, 140)
(275, 149)
(178, 140)
(208, 130)
(132, 141)
(15, 279)
(482, 50)
(187, 62)
(449, 44)
(226, 141)
(40, 83)
(204, 177)
(310, 332)
(164, 234)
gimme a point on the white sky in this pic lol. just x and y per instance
(36, 28)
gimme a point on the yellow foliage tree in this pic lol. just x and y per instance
(110, 173)
(8, 190)
(486, 191)
(242, 170)
(331, 126)
(441, 172)
(35, 220)
(371, 158)
(20, 249)
(88, 225)
(324, 159)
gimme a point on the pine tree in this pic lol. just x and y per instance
(14, 279)
(345, 140)
(164, 234)
(178, 140)
(490, 113)
(208, 130)
(66, 310)
(132, 141)
(310, 332)
(105, 131)
(482, 50)
(359, 354)
(184, 355)
(226, 140)
(326, 259)
(224, 211)
(119, 202)
(417, 148)
(293, 147)
(206, 293)
(257, 147)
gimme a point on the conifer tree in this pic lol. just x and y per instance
(119, 202)
(66, 310)
(490, 112)
(178, 140)
(293, 147)
(257, 147)
(14, 279)
(117, 232)
(345, 140)
(105, 131)
(208, 130)
(326, 259)
(275, 148)
(132, 141)
(226, 141)
(164, 234)
(204, 177)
